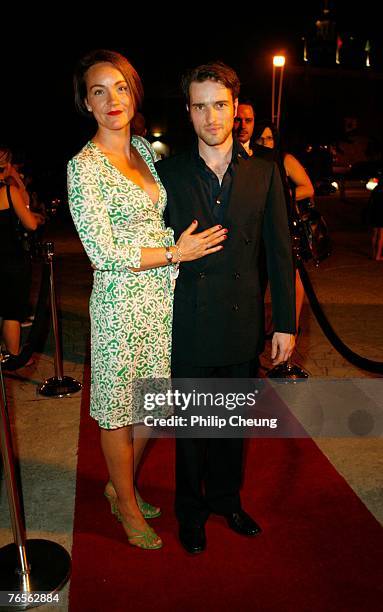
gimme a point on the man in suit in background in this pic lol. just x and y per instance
(218, 309)
(244, 124)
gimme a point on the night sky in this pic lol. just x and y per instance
(37, 116)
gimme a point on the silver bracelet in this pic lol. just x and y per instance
(176, 264)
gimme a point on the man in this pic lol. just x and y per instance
(244, 124)
(218, 310)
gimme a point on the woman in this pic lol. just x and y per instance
(117, 203)
(375, 219)
(266, 137)
(15, 267)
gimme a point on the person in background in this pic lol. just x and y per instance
(117, 201)
(244, 124)
(15, 265)
(17, 179)
(375, 219)
(297, 183)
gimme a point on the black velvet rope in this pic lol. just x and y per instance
(13, 362)
(363, 363)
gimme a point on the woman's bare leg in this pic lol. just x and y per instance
(141, 436)
(117, 446)
(11, 336)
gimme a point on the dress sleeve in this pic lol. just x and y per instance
(91, 218)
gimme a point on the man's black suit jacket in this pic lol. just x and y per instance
(218, 308)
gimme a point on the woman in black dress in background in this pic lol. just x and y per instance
(15, 267)
(375, 218)
(298, 186)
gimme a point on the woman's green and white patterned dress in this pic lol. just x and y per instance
(131, 312)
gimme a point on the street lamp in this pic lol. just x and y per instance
(278, 62)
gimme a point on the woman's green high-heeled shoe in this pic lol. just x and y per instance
(147, 510)
(147, 539)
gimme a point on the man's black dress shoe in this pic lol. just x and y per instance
(242, 523)
(192, 538)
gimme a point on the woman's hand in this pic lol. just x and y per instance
(190, 246)
(194, 246)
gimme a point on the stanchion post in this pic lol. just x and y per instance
(280, 96)
(58, 385)
(273, 96)
(53, 307)
(10, 481)
(28, 568)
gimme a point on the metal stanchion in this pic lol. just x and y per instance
(31, 571)
(58, 385)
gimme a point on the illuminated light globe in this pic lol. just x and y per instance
(372, 183)
(279, 60)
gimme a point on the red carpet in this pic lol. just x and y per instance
(321, 549)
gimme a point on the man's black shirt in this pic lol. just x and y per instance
(217, 195)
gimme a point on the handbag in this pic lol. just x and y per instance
(310, 232)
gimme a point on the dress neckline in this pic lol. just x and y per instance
(109, 163)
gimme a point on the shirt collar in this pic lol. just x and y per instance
(246, 146)
(238, 151)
